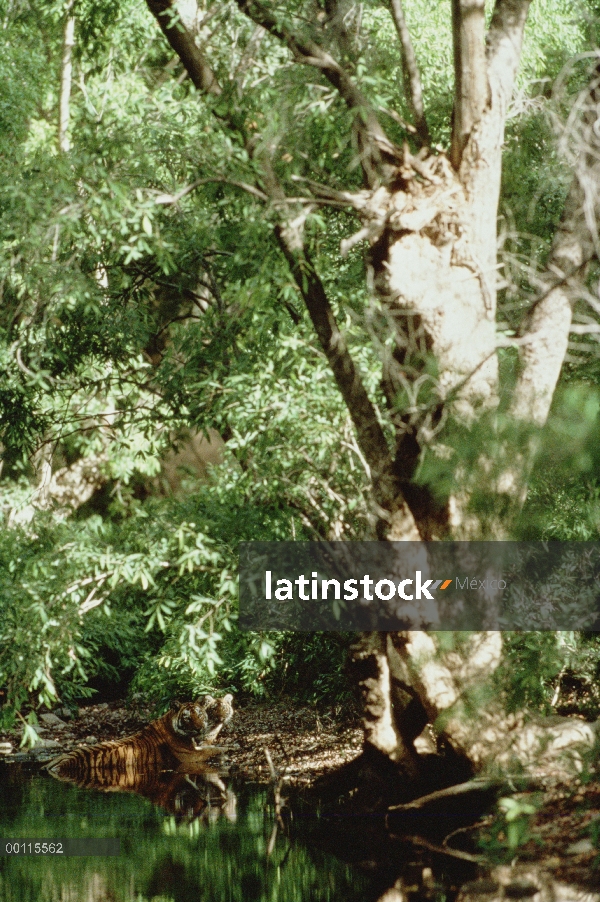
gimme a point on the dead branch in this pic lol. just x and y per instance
(443, 850)
(174, 198)
(478, 784)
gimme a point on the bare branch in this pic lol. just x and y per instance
(174, 198)
(470, 72)
(410, 69)
(183, 43)
(376, 150)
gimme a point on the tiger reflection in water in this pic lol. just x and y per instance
(165, 762)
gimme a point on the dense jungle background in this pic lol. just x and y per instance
(163, 394)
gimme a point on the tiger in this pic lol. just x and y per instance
(178, 741)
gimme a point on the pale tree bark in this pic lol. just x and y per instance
(470, 75)
(545, 336)
(448, 684)
(544, 340)
(64, 144)
(481, 160)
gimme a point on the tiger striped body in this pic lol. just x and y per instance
(175, 742)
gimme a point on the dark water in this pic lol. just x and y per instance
(191, 846)
(191, 838)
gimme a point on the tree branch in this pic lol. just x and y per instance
(183, 192)
(336, 11)
(371, 439)
(478, 139)
(470, 72)
(575, 245)
(370, 435)
(503, 44)
(410, 69)
(377, 152)
(183, 43)
(65, 81)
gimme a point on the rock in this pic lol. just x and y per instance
(67, 713)
(91, 740)
(47, 744)
(21, 756)
(581, 847)
(42, 755)
(51, 720)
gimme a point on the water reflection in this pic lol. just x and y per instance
(198, 793)
(188, 837)
(185, 837)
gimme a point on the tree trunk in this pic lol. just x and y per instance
(409, 681)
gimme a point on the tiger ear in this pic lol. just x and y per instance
(207, 700)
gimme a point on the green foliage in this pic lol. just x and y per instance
(312, 668)
(132, 307)
(511, 829)
(531, 667)
(154, 583)
(563, 501)
(542, 671)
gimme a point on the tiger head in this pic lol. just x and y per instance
(190, 718)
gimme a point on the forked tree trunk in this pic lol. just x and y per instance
(433, 262)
